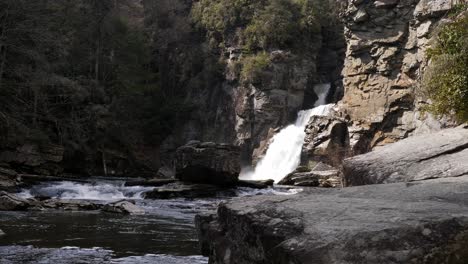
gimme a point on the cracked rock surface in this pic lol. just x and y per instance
(419, 222)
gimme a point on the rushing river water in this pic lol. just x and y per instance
(165, 234)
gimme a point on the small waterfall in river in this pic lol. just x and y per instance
(284, 153)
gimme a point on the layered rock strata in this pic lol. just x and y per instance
(385, 59)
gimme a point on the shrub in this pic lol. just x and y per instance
(264, 24)
(253, 65)
(445, 81)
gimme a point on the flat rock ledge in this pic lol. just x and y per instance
(418, 222)
(431, 156)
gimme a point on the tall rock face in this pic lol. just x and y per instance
(233, 109)
(385, 58)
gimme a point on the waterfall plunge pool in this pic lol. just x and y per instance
(165, 234)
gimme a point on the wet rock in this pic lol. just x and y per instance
(321, 175)
(11, 202)
(152, 182)
(424, 222)
(183, 190)
(207, 230)
(70, 205)
(123, 207)
(439, 155)
(208, 163)
(256, 184)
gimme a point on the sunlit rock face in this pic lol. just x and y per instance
(385, 58)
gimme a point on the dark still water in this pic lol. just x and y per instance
(165, 234)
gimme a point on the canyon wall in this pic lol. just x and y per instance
(385, 60)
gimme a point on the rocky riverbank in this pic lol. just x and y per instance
(413, 219)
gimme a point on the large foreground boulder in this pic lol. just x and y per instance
(443, 154)
(208, 162)
(420, 222)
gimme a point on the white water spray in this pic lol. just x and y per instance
(284, 153)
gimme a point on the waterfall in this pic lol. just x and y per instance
(284, 153)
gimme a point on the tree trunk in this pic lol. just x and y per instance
(98, 55)
(2, 64)
(104, 163)
(36, 95)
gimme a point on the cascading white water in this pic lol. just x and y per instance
(284, 153)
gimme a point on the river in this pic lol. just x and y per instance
(165, 234)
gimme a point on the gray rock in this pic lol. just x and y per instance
(256, 184)
(181, 190)
(327, 178)
(151, 182)
(123, 207)
(68, 205)
(443, 154)
(385, 60)
(11, 202)
(424, 222)
(2, 233)
(327, 140)
(208, 163)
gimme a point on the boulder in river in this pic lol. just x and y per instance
(256, 184)
(123, 207)
(183, 190)
(438, 155)
(11, 202)
(208, 162)
(419, 222)
(70, 205)
(322, 175)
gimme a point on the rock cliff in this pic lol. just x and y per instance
(385, 58)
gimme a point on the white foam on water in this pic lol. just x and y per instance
(284, 153)
(102, 191)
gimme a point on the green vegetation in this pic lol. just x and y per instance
(89, 74)
(262, 24)
(446, 79)
(254, 65)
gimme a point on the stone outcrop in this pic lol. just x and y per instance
(11, 202)
(327, 140)
(34, 158)
(244, 111)
(439, 155)
(123, 207)
(420, 222)
(313, 178)
(8, 177)
(385, 58)
(183, 190)
(208, 162)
